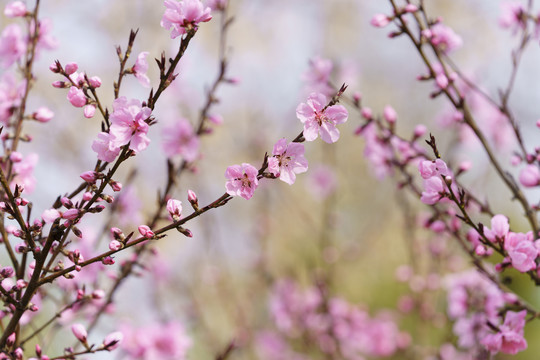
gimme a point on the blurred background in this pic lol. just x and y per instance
(337, 222)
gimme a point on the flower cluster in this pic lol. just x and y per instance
(333, 324)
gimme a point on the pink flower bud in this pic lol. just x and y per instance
(98, 294)
(420, 130)
(442, 81)
(19, 354)
(410, 8)
(233, 80)
(50, 215)
(380, 20)
(107, 261)
(390, 114)
(89, 111)
(11, 340)
(7, 271)
(94, 81)
(192, 197)
(21, 284)
(70, 68)
(367, 113)
(15, 9)
(115, 185)
(174, 207)
(43, 114)
(112, 340)
(216, 119)
(89, 176)
(115, 245)
(465, 166)
(530, 176)
(70, 214)
(76, 97)
(59, 84)
(87, 196)
(66, 202)
(38, 350)
(55, 67)
(117, 234)
(16, 156)
(80, 332)
(145, 231)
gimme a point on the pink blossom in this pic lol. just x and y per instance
(513, 15)
(10, 96)
(71, 214)
(129, 125)
(430, 168)
(390, 114)
(24, 171)
(217, 5)
(76, 97)
(71, 68)
(16, 156)
(140, 68)
(15, 9)
(215, 119)
(104, 147)
(108, 261)
(434, 190)
(50, 215)
(521, 250)
(241, 180)
(192, 197)
(174, 207)
(115, 245)
(12, 45)
(317, 77)
(318, 120)
(509, 339)
(145, 231)
(94, 81)
(288, 160)
(380, 20)
(184, 15)
(80, 332)
(530, 176)
(89, 176)
(156, 341)
(377, 151)
(499, 228)
(113, 340)
(444, 38)
(89, 111)
(179, 138)
(43, 114)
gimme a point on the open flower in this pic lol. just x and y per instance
(319, 120)
(184, 15)
(129, 125)
(242, 180)
(288, 160)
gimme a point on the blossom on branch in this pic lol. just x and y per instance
(287, 161)
(184, 15)
(242, 180)
(319, 119)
